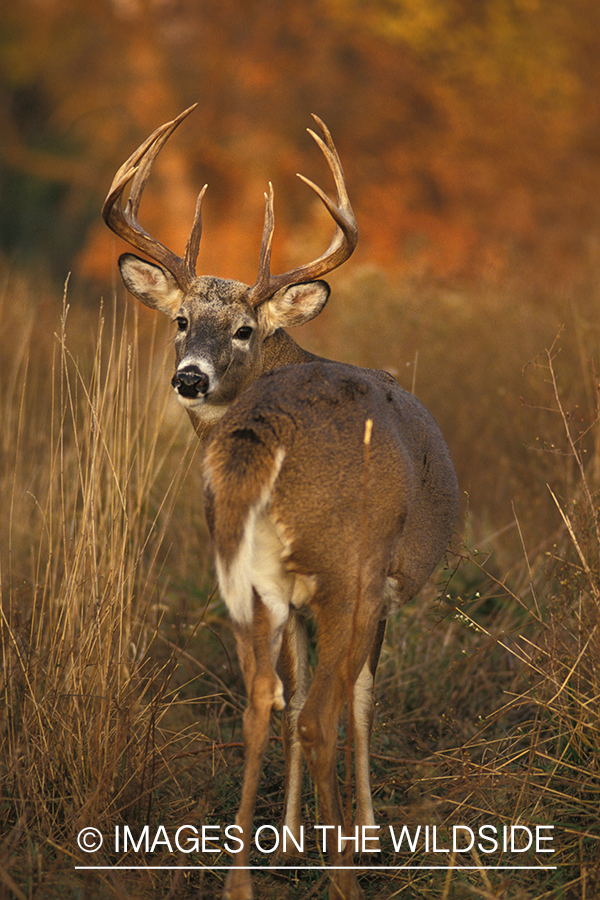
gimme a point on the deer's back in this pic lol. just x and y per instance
(293, 446)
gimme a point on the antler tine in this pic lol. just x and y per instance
(138, 165)
(343, 214)
(192, 247)
(261, 287)
(344, 239)
(123, 219)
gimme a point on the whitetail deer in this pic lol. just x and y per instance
(329, 491)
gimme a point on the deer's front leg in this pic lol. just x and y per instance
(258, 645)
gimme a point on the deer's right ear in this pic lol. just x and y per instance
(151, 284)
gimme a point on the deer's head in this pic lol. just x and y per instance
(221, 324)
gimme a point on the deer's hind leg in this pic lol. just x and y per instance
(363, 714)
(345, 644)
(294, 670)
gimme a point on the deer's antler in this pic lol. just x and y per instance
(344, 239)
(122, 217)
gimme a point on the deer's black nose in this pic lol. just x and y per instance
(190, 382)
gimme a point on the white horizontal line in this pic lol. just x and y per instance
(332, 868)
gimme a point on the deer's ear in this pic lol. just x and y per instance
(150, 284)
(295, 305)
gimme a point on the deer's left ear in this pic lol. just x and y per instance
(295, 305)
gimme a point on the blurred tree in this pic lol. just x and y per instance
(469, 128)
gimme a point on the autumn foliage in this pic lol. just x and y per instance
(469, 130)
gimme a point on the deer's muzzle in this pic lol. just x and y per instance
(190, 382)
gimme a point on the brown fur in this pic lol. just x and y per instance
(352, 517)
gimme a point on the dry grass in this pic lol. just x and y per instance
(89, 683)
(120, 696)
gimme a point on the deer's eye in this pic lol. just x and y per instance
(244, 333)
(182, 323)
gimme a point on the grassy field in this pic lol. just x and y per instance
(121, 698)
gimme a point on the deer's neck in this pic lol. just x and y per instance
(282, 350)
(278, 350)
